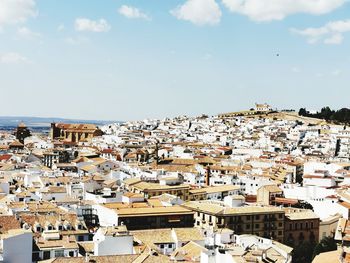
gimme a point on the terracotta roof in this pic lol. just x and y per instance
(8, 222)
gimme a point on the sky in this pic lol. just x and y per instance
(137, 59)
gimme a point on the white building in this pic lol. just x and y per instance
(113, 241)
(16, 246)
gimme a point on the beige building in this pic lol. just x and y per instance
(264, 221)
(74, 132)
(301, 225)
(328, 226)
(154, 189)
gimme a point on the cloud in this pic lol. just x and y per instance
(85, 24)
(60, 28)
(336, 72)
(207, 56)
(132, 12)
(25, 32)
(76, 40)
(268, 10)
(296, 69)
(12, 58)
(199, 12)
(16, 11)
(331, 33)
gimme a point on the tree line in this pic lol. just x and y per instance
(338, 116)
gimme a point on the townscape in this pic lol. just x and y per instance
(250, 186)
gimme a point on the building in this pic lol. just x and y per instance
(263, 107)
(74, 132)
(328, 226)
(154, 189)
(264, 221)
(213, 192)
(144, 216)
(266, 194)
(155, 217)
(301, 225)
(51, 245)
(22, 132)
(246, 248)
(55, 156)
(16, 246)
(113, 241)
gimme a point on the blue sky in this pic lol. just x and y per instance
(126, 60)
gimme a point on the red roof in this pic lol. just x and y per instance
(288, 201)
(5, 157)
(107, 151)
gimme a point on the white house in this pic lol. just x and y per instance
(16, 246)
(113, 241)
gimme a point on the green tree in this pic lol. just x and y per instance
(303, 252)
(325, 245)
(304, 205)
(302, 112)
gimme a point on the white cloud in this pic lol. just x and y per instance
(12, 58)
(199, 12)
(207, 56)
(336, 72)
(331, 33)
(76, 40)
(85, 24)
(25, 32)
(268, 10)
(334, 39)
(132, 12)
(60, 27)
(296, 69)
(16, 11)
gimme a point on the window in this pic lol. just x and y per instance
(170, 246)
(161, 246)
(257, 225)
(59, 253)
(257, 217)
(46, 255)
(248, 217)
(247, 226)
(71, 253)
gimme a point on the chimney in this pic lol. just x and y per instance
(207, 178)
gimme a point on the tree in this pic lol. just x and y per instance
(304, 205)
(302, 112)
(339, 116)
(326, 244)
(303, 252)
(326, 113)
